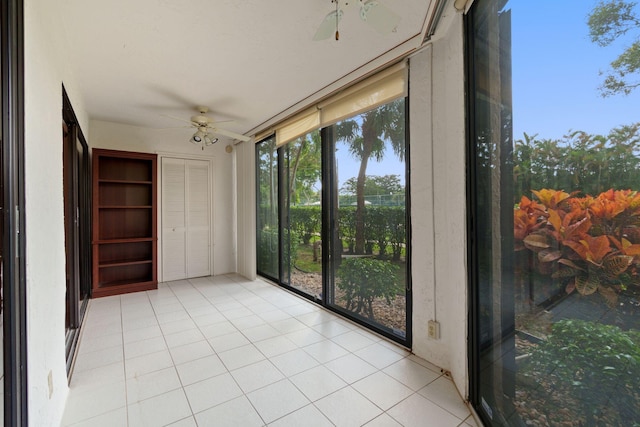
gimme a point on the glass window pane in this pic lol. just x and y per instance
(303, 209)
(371, 270)
(267, 202)
(556, 213)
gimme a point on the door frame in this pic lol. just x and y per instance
(78, 238)
(13, 199)
(181, 156)
(328, 231)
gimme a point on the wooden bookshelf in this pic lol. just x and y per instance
(124, 222)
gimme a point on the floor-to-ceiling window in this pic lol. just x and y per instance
(333, 207)
(554, 189)
(301, 212)
(370, 216)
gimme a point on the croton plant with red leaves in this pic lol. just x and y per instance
(590, 243)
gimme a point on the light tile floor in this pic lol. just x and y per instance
(226, 351)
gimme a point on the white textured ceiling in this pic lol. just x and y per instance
(136, 61)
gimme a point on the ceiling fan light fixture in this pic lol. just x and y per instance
(210, 140)
(206, 129)
(198, 137)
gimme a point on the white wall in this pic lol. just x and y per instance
(246, 209)
(438, 199)
(116, 136)
(45, 72)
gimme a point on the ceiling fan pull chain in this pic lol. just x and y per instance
(337, 20)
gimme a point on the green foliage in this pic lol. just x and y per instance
(267, 173)
(268, 251)
(589, 164)
(597, 365)
(347, 226)
(305, 221)
(365, 279)
(385, 226)
(397, 229)
(377, 227)
(375, 185)
(290, 249)
(305, 261)
(610, 20)
(366, 136)
(302, 161)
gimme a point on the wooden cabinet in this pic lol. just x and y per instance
(124, 222)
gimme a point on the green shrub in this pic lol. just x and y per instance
(290, 251)
(377, 228)
(597, 365)
(397, 226)
(365, 279)
(305, 221)
(347, 226)
(384, 227)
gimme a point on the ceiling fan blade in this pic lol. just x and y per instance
(179, 118)
(380, 17)
(177, 127)
(230, 134)
(209, 121)
(328, 26)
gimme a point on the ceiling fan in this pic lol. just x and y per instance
(206, 127)
(374, 13)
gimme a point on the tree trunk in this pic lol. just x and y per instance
(368, 138)
(294, 170)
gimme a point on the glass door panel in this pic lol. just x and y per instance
(555, 197)
(333, 219)
(302, 254)
(267, 205)
(370, 216)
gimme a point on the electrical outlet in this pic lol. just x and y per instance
(434, 330)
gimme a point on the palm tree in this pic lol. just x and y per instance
(522, 170)
(366, 136)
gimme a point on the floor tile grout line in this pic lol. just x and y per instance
(263, 295)
(228, 372)
(436, 403)
(173, 362)
(124, 366)
(267, 358)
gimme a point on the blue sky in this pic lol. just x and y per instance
(556, 72)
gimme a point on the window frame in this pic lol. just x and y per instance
(328, 217)
(13, 180)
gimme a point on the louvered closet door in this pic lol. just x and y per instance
(186, 219)
(198, 219)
